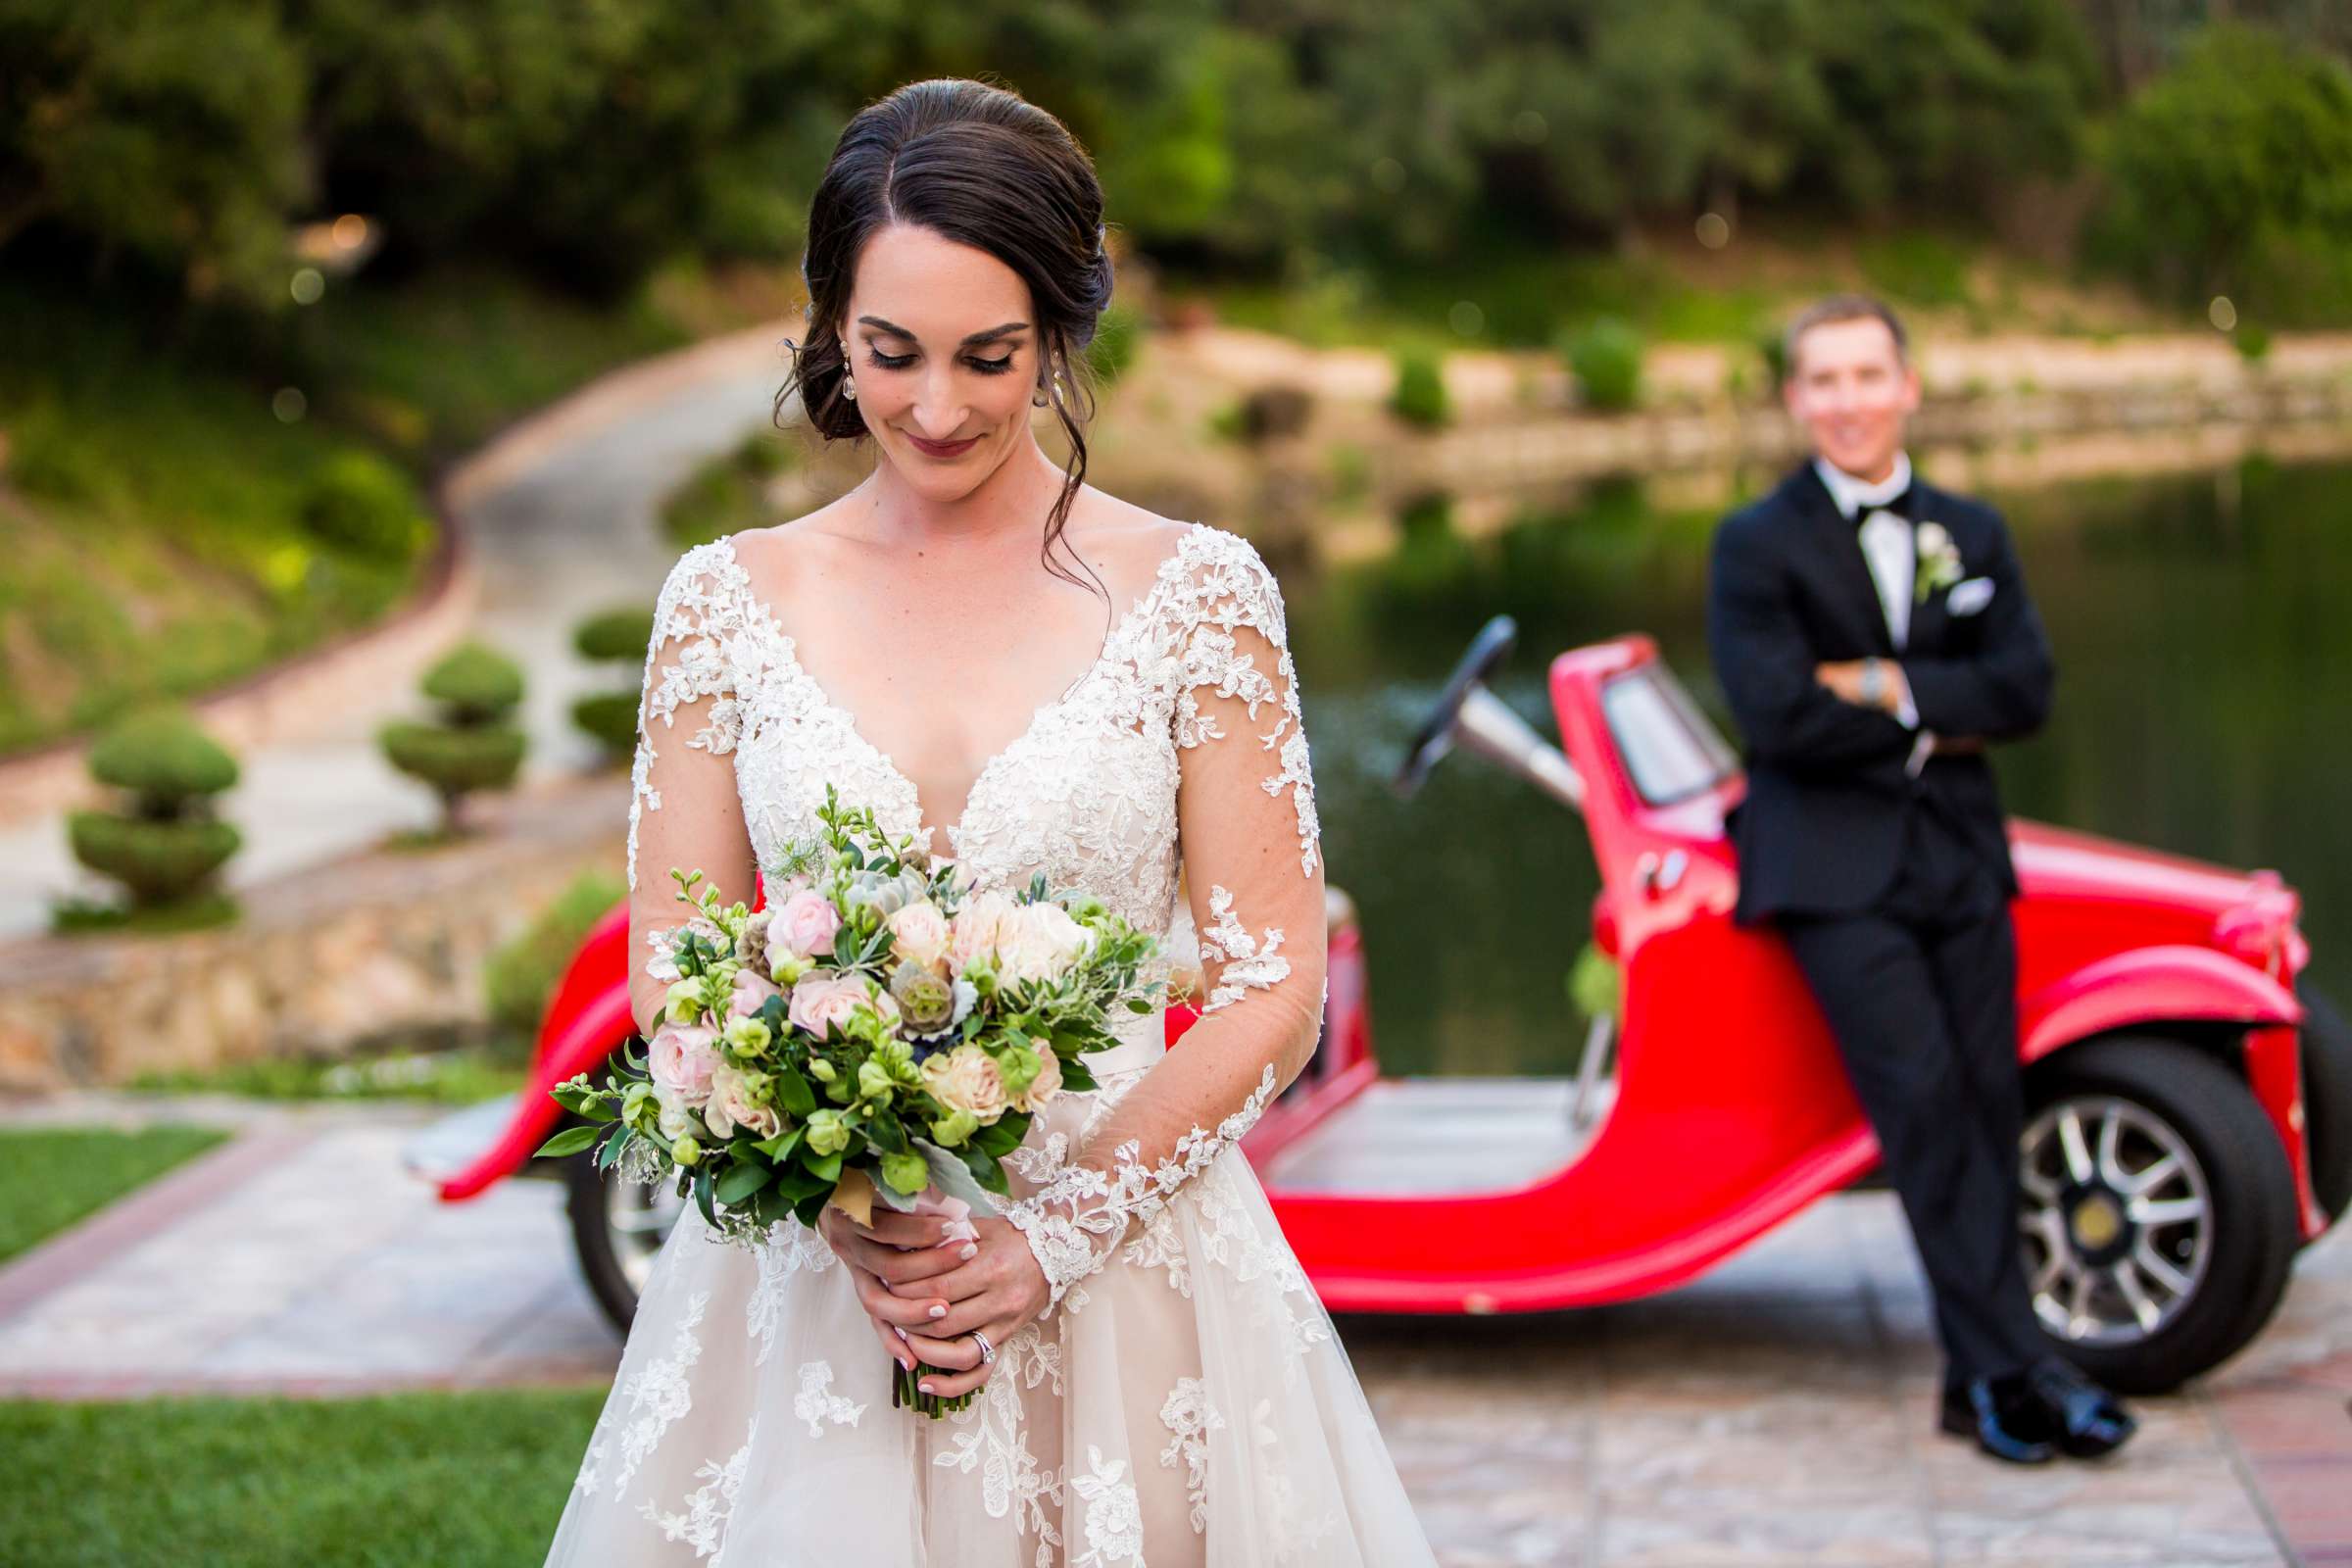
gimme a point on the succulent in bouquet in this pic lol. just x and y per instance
(880, 1033)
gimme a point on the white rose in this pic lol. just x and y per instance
(973, 934)
(1040, 942)
(731, 1107)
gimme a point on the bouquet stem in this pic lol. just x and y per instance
(905, 1395)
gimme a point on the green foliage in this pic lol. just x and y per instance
(1419, 398)
(609, 719)
(170, 132)
(362, 505)
(161, 863)
(458, 1077)
(167, 846)
(163, 758)
(456, 762)
(474, 684)
(1594, 984)
(1917, 268)
(725, 494)
(2232, 174)
(1605, 357)
(621, 634)
(2253, 343)
(519, 978)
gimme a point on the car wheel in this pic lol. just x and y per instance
(618, 1227)
(2158, 1211)
(2327, 1100)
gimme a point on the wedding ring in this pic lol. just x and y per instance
(988, 1351)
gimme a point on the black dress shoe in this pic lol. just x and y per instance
(2092, 1422)
(2006, 1416)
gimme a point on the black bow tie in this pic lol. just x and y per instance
(1899, 504)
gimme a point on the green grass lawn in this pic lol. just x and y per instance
(453, 1077)
(61, 1175)
(472, 1480)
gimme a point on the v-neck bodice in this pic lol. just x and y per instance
(1085, 793)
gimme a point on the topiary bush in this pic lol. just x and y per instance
(1604, 355)
(474, 746)
(360, 505)
(609, 717)
(1420, 395)
(166, 844)
(519, 978)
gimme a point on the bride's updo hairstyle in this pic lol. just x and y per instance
(981, 167)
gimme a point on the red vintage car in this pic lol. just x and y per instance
(2190, 1103)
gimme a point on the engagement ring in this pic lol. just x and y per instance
(988, 1352)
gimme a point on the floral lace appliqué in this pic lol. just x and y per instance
(817, 1404)
(704, 1524)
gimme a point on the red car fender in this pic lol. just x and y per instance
(2172, 984)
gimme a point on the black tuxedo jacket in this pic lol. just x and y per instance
(1829, 794)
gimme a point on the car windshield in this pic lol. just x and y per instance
(1670, 750)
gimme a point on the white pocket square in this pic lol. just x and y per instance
(1969, 597)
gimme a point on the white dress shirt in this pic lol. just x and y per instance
(1893, 554)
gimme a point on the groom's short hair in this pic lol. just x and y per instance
(1843, 308)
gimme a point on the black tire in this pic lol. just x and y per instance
(594, 1197)
(2253, 1234)
(2327, 1100)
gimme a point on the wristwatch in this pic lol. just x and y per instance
(1873, 682)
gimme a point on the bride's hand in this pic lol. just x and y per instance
(998, 1290)
(879, 1269)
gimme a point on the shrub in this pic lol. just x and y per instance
(609, 717)
(472, 747)
(361, 506)
(727, 494)
(1604, 355)
(519, 978)
(1420, 395)
(165, 847)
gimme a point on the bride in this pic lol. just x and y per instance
(1156, 1379)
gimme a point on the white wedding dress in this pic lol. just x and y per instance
(1184, 1399)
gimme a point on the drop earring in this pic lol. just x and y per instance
(848, 382)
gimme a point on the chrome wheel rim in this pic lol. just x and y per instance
(638, 1218)
(2116, 1220)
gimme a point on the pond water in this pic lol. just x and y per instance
(2203, 629)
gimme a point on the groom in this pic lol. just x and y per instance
(1872, 635)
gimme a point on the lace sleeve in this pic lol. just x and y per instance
(1245, 821)
(685, 813)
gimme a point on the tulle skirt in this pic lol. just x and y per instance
(1194, 1407)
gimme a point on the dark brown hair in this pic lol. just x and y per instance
(1843, 308)
(982, 166)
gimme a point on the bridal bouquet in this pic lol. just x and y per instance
(878, 1034)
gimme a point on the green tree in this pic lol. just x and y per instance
(167, 131)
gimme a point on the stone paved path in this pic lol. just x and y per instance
(1777, 1412)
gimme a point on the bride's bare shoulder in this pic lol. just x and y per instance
(781, 555)
(1119, 535)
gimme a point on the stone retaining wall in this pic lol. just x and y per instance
(376, 945)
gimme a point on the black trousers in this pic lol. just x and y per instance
(1920, 993)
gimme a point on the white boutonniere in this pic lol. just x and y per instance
(1938, 561)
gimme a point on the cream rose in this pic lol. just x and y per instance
(920, 932)
(973, 935)
(731, 1107)
(1046, 1085)
(965, 1079)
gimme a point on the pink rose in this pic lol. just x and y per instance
(751, 993)
(681, 1058)
(824, 999)
(919, 933)
(1046, 1085)
(731, 1107)
(804, 928)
